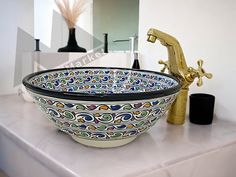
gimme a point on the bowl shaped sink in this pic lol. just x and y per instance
(102, 107)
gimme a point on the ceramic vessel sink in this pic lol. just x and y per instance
(102, 107)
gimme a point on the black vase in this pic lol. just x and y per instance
(72, 45)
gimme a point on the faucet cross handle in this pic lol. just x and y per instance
(166, 65)
(200, 73)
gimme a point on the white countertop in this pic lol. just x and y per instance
(158, 152)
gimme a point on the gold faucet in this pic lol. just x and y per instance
(177, 67)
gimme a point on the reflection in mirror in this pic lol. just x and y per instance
(118, 18)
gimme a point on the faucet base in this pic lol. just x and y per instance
(176, 114)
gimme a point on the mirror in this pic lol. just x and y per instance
(118, 18)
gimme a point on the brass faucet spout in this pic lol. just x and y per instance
(151, 38)
(164, 38)
(176, 61)
(177, 66)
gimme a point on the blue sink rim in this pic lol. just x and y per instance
(100, 96)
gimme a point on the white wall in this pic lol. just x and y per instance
(205, 29)
(43, 13)
(14, 14)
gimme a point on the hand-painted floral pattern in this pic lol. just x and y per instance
(105, 121)
(106, 107)
(102, 119)
(102, 81)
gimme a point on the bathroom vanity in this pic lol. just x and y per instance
(31, 146)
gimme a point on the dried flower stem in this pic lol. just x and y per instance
(70, 12)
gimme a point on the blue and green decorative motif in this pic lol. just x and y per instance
(102, 104)
(102, 81)
(104, 121)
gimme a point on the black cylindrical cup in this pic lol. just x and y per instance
(201, 108)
